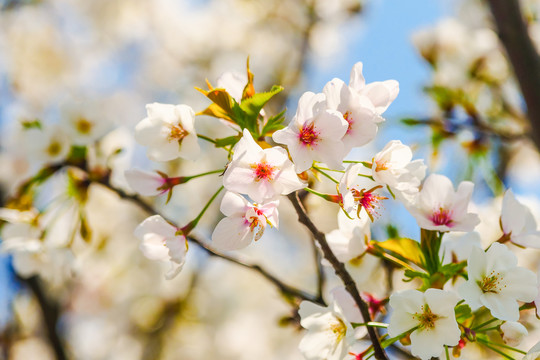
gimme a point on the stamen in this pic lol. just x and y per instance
(177, 133)
(308, 135)
(263, 171)
(442, 217)
(347, 116)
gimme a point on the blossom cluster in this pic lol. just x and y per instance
(443, 296)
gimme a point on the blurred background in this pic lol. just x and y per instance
(86, 292)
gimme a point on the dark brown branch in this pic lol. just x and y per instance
(283, 288)
(523, 56)
(51, 312)
(341, 272)
(320, 271)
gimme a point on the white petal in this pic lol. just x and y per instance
(232, 233)
(144, 182)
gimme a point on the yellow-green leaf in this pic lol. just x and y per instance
(405, 248)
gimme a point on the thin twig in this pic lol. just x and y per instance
(283, 288)
(341, 272)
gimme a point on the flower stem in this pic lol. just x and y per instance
(365, 163)
(206, 138)
(191, 225)
(489, 346)
(325, 174)
(188, 178)
(373, 324)
(483, 324)
(327, 197)
(502, 346)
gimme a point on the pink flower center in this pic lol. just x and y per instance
(347, 116)
(308, 135)
(263, 171)
(368, 200)
(442, 217)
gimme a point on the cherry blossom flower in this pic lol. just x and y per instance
(496, 282)
(168, 132)
(513, 333)
(438, 207)
(393, 167)
(244, 222)
(49, 144)
(350, 240)
(159, 241)
(147, 183)
(314, 133)
(356, 194)
(432, 316)
(329, 334)
(380, 93)
(261, 174)
(518, 223)
(356, 109)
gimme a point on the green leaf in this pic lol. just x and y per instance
(410, 274)
(453, 269)
(392, 231)
(412, 122)
(230, 140)
(252, 106)
(463, 312)
(31, 124)
(405, 248)
(274, 123)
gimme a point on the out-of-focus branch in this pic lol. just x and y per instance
(283, 288)
(341, 272)
(525, 60)
(51, 312)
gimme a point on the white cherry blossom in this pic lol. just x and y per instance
(392, 167)
(356, 109)
(432, 314)
(496, 282)
(438, 207)
(159, 241)
(314, 133)
(329, 334)
(350, 240)
(48, 144)
(380, 93)
(168, 132)
(261, 174)
(518, 223)
(147, 183)
(243, 223)
(513, 333)
(357, 193)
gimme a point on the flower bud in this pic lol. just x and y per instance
(513, 332)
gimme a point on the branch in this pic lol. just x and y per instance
(51, 312)
(341, 272)
(283, 288)
(523, 56)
